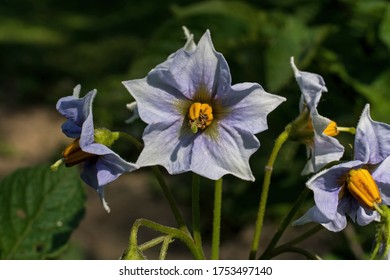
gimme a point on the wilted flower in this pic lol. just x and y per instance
(311, 128)
(355, 188)
(91, 146)
(197, 121)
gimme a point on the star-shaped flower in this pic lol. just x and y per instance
(354, 188)
(91, 146)
(313, 129)
(197, 121)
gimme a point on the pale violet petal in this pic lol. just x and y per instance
(228, 154)
(190, 44)
(338, 223)
(381, 173)
(157, 100)
(381, 176)
(372, 144)
(110, 167)
(76, 91)
(324, 149)
(326, 187)
(76, 110)
(201, 68)
(366, 216)
(312, 86)
(249, 104)
(165, 145)
(133, 107)
(312, 215)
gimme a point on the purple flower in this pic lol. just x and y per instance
(197, 121)
(315, 130)
(101, 164)
(354, 188)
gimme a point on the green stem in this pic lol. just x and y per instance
(164, 247)
(382, 245)
(284, 224)
(132, 140)
(163, 184)
(286, 246)
(170, 198)
(307, 254)
(196, 213)
(264, 194)
(150, 244)
(216, 220)
(173, 232)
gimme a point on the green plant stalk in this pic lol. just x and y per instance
(284, 224)
(216, 220)
(383, 234)
(164, 247)
(286, 247)
(282, 138)
(151, 243)
(172, 232)
(170, 198)
(196, 212)
(157, 173)
(307, 254)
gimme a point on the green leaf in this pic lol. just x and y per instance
(39, 209)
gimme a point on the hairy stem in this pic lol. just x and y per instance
(216, 220)
(264, 194)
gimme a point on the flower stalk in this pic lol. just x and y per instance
(157, 173)
(268, 252)
(133, 251)
(216, 220)
(282, 138)
(196, 212)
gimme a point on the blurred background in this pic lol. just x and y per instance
(49, 46)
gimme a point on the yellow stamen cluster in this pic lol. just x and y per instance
(200, 116)
(363, 187)
(331, 129)
(73, 154)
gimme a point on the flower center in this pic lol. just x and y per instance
(363, 187)
(331, 129)
(200, 116)
(74, 155)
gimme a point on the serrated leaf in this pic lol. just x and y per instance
(39, 209)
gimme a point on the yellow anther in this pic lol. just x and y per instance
(200, 115)
(194, 111)
(331, 129)
(363, 187)
(74, 155)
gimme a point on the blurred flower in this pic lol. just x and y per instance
(197, 121)
(91, 146)
(355, 188)
(312, 129)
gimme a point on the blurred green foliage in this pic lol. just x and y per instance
(49, 46)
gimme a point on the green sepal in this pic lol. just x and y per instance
(382, 239)
(105, 137)
(302, 129)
